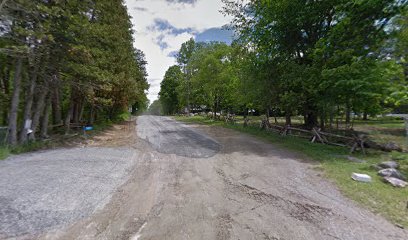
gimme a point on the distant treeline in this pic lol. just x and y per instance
(66, 62)
(318, 59)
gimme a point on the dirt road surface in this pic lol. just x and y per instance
(168, 180)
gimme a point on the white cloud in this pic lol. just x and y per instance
(158, 43)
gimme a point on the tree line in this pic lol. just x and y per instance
(318, 59)
(65, 62)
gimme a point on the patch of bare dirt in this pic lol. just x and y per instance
(118, 135)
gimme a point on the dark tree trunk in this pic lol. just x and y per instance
(288, 119)
(348, 116)
(42, 92)
(92, 115)
(45, 118)
(275, 112)
(246, 117)
(365, 116)
(331, 118)
(322, 120)
(311, 120)
(268, 114)
(81, 111)
(12, 123)
(75, 116)
(56, 104)
(6, 91)
(29, 104)
(70, 112)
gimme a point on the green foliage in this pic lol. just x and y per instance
(399, 95)
(320, 59)
(186, 52)
(80, 53)
(125, 116)
(316, 59)
(208, 76)
(362, 85)
(168, 90)
(213, 78)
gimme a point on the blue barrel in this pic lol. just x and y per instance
(88, 128)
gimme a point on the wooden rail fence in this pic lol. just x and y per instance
(316, 135)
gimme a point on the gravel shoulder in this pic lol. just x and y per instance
(50, 189)
(232, 186)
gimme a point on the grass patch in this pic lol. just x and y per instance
(124, 117)
(57, 139)
(4, 153)
(384, 130)
(31, 146)
(377, 196)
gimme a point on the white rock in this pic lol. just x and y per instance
(395, 182)
(361, 177)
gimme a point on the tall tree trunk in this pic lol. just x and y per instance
(92, 115)
(246, 117)
(322, 120)
(45, 118)
(348, 116)
(365, 116)
(331, 118)
(275, 112)
(311, 119)
(78, 111)
(29, 104)
(215, 109)
(39, 108)
(75, 115)
(6, 91)
(56, 103)
(70, 112)
(288, 119)
(268, 114)
(81, 111)
(12, 123)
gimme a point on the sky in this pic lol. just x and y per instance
(161, 26)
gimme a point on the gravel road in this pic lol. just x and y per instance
(170, 137)
(179, 181)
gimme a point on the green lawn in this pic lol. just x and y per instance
(377, 196)
(384, 130)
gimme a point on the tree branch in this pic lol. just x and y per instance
(2, 4)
